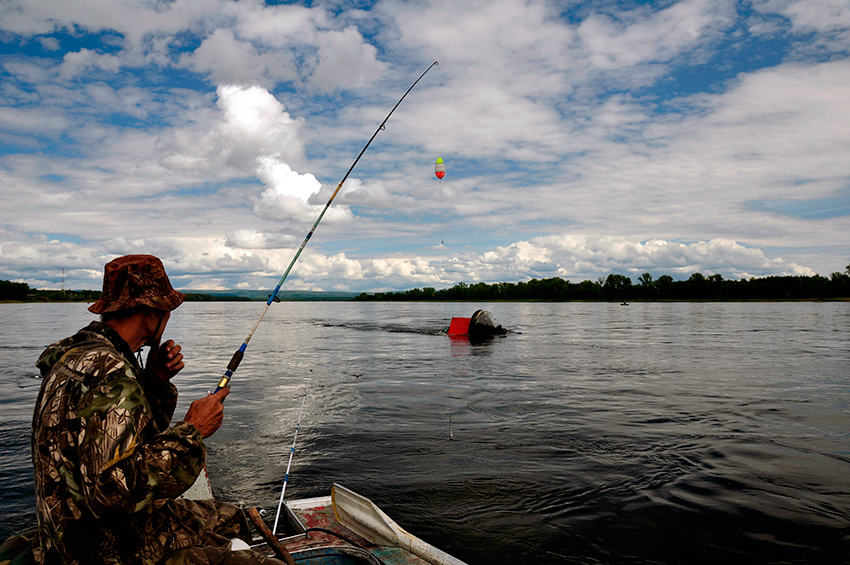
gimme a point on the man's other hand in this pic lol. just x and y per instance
(164, 361)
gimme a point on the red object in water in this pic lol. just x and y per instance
(459, 326)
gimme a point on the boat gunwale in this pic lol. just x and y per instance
(302, 509)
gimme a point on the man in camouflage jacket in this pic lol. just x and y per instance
(109, 466)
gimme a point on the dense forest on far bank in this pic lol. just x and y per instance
(620, 287)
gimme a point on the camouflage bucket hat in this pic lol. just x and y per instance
(136, 280)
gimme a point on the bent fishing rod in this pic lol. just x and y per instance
(240, 353)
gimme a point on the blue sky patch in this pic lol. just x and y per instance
(836, 206)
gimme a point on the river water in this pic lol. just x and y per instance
(592, 433)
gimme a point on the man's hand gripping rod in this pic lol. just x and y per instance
(240, 353)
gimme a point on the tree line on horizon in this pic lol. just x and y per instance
(613, 287)
(22, 292)
(620, 288)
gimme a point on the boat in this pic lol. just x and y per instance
(343, 528)
(347, 528)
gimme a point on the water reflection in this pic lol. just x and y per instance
(465, 345)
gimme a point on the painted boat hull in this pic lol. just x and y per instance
(328, 531)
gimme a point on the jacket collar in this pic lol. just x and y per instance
(115, 338)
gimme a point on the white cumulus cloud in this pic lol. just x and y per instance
(252, 125)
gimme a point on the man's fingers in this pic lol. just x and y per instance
(165, 360)
(170, 349)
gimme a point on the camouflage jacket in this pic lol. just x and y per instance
(107, 465)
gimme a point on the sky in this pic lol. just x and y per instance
(580, 139)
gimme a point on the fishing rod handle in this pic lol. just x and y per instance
(231, 367)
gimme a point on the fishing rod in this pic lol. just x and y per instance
(291, 453)
(240, 353)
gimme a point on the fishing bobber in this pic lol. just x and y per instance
(440, 168)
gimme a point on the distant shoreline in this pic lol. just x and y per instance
(619, 288)
(614, 288)
(35, 296)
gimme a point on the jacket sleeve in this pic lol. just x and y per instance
(126, 463)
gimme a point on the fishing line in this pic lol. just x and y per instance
(240, 353)
(442, 224)
(291, 452)
(443, 278)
